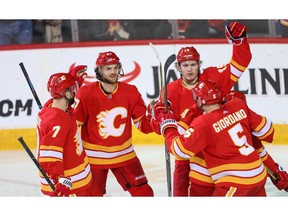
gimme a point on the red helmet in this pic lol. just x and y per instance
(187, 54)
(234, 95)
(107, 58)
(207, 92)
(58, 84)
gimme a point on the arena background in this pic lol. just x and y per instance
(265, 81)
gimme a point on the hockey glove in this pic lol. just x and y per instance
(153, 122)
(79, 73)
(62, 187)
(281, 181)
(154, 108)
(163, 119)
(235, 33)
(168, 121)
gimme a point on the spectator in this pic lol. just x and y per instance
(53, 31)
(216, 28)
(15, 32)
(196, 29)
(47, 31)
(91, 30)
(38, 33)
(134, 29)
(284, 27)
(163, 30)
(186, 29)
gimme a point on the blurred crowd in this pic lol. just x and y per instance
(58, 31)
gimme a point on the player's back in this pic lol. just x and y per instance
(228, 150)
(229, 132)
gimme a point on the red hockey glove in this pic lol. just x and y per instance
(163, 119)
(281, 181)
(153, 108)
(62, 187)
(168, 122)
(79, 74)
(158, 108)
(153, 122)
(235, 32)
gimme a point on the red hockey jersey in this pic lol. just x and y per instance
(181, 100)
(60, 151)
(224, 137)
(107, 123)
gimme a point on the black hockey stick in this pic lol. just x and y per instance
(30, 85)
(21, 140)
(168, 62)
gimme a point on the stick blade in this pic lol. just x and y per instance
(168, 62)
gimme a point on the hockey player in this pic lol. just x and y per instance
(223, 135)
(60, 150)
(179, 95)
(104, 110)
(277, 174)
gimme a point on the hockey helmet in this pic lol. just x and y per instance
(205, 93)
(107, 58)
(234, 95)
(59, 83)
(187, 54)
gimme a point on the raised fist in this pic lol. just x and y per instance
(235, 32)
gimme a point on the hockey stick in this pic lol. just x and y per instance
(168, 62)
(21, 140)
(164, 100)
(272, 175)
(30, 85)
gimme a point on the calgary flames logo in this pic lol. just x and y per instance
(106, 122)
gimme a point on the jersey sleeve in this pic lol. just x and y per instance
(80, 112)
(227, 75)
(240, 60)
(261, 126)
(139, 117)
(188, 144)
(50, 155)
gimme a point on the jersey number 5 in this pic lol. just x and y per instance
(244, 147)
